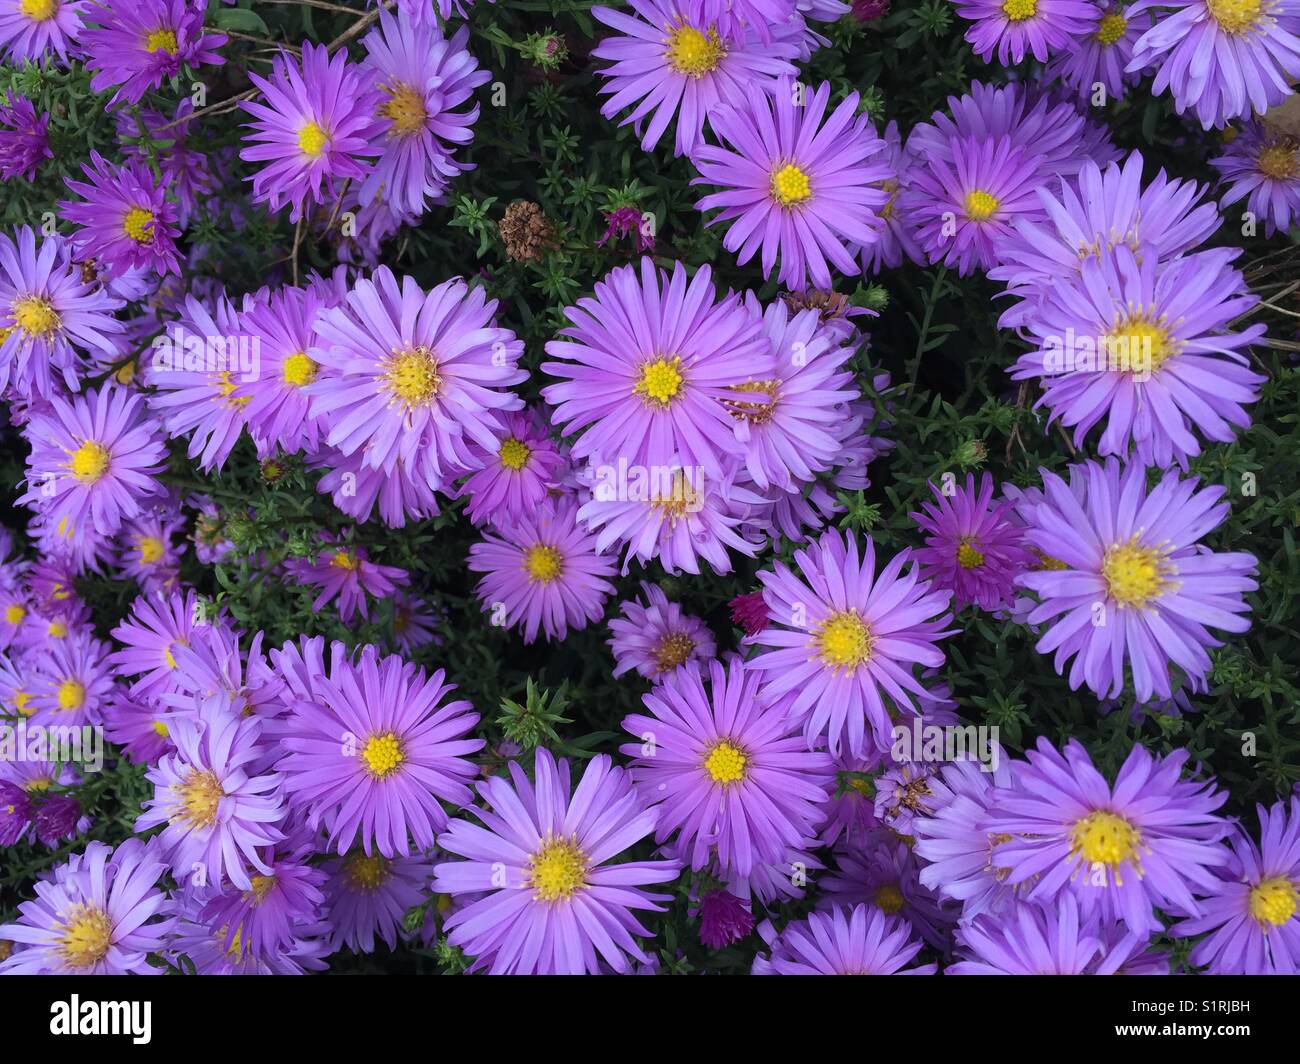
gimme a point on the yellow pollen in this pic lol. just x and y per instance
(345, 559)
(790, 185)
(261, 888)
(151, 550)
(694, 53)
(1111, 28)
(161, 729)
(226, 385)
(405, 109)
(757, 411)
(682, 499)
(71, 695)
(1279, 161)
(968, 557)
(412, 377)
(201, 794)
(980, 206)
(383, 755)
(1019, 10)
(138, 224)
(57, 630)
(1135, 575)
(889, 898)
(542, 563)
(38, 784)
(661, 381)
(161, 40)
(891, 186)
(85, 936)
(298, 369)
(1138, 345)
(367, 873)
(1047, 563)
(312, 140)
(22, 703)
(36, 316)
(674, 651)
(1235, 16)
(514, 454)
(126, 374)
(1273, 901)
(89, 462)
(843, 640)
(14, 613)
(726, 763)
(558, 870)
(39, 10)
(1104, 838)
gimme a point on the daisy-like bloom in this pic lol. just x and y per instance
(1123, 850)
(357, 489)
(155, 628)
(792, 185)
(139, 727)
(15, 814)
(94, 916)
(369, 895)
(47, 314)
(70, 683)
(646, 363)
(218, 818)
(656, 638)
(517, 476)
(1099, 53)
(15, 608)
(858, 941)
(346, 573)
(186, 171)
(136, 45)
(846, 642)
(1132, 559)
(30, 29)
(542, 572)
(415, 622)
(733, 781)
(24, 138)
(371, 755)
(973, 546)
(671, 60)
(1219, 58)
(1012, 29)
(1252, 914)
(147, 554)
(415, 376)
(1146, 346)
(126, 220)
(897, 242)
(422, 79)
(214, 950)
(1263, 168)
(93, 461)
(546, 900)
(314, 129)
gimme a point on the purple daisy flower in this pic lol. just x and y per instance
(70, 683)
(368, 896)
(25, 140)
(793, 185)
(346, 573)
(1099, 53)
(30, 29)
(1132, 558)
(517, 476)
(415, 623)
(671, 61)
(356, 489)
(421, 79)
(15, 814)
(140, 728)
(1015, 28)
(1220, 58)
(897, 243)
(1262, 168)
(1122, 851)
(187, 172)
(656, 638)
(214, 950)
(415, 375)
(126, 220)
(543, 572)
(857, 941)
(547, 900)
(218, 819)
(1250, 914)
(155, 628)
(94, 916)
(136, 45)
(846, 642)
(375, 750)
(1031, 940)
(973, 546)
(315, 128)
(731, 778)
(147, 554)
(646, 363)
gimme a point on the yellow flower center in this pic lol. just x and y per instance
(673, 651)
(790, 185)
(980, 206)
(726, 763)
(345, 559)
(405, 109)
(38, 784)
(514, 454)
(36, 316)
(161, 729)
(22, 703)
(161, 40)
(558, 870)
(843, 640)
(151, 550)
(85, 936)
(1279, 160)
(660, 381)
(1111, 28)
(1139, 345)
(758, 411)
(261, 888)
(968, 557)
(312, 140)
(383, 755)
(89, 462)
(71, 695)
(201, 794)
(138, 223)
(1273, 901)
(298, 369)
(681, 500)
(1104, 838)
(57, 630)
(693, 52)
(542, 563)
(412, 376)
(1135, 575)
(39, 10)
(126, 374)
(889, 898)
(14, 613)
(1235, 16)
(226, 385)
(1019, 10)
(367, 873)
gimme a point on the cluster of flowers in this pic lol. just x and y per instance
(305, 794)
